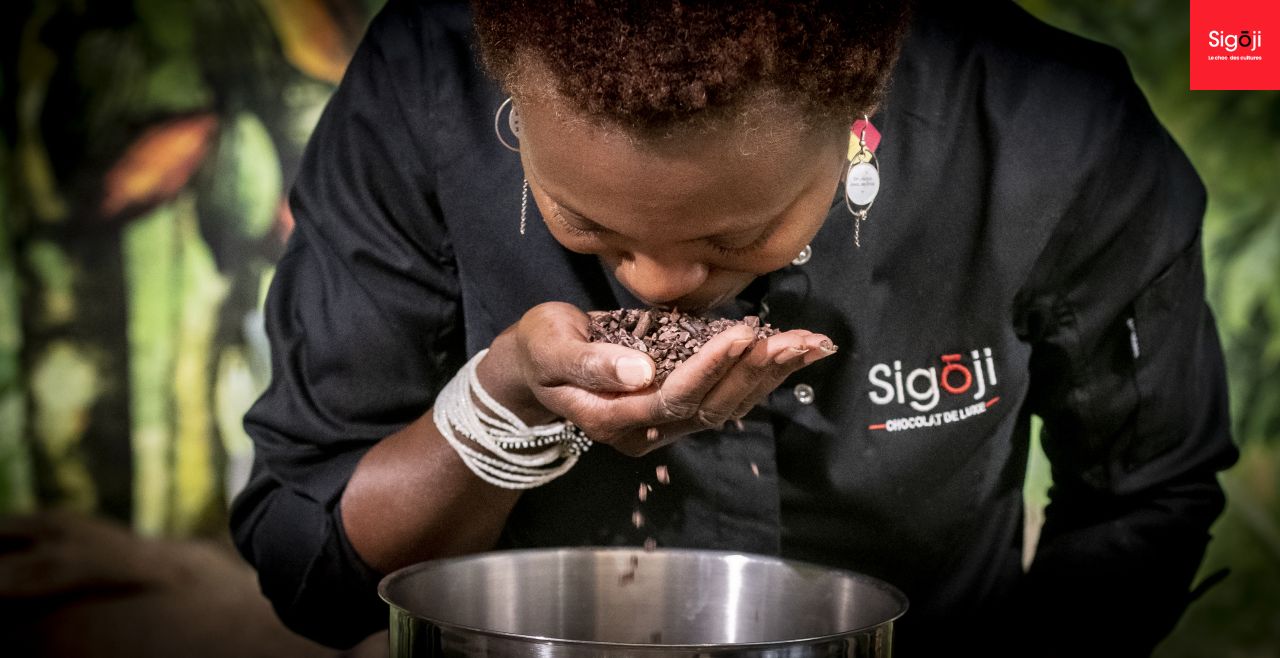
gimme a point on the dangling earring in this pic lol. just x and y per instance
(514, 125)
(524, 204)
(862, 180)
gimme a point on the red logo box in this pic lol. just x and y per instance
(1235, 44)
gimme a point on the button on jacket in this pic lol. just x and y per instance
(1035, 249)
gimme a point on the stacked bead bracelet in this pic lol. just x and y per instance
(555, 447)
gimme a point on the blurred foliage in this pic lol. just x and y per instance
(16, 490)
(145, 149)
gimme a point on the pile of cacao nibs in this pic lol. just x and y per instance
(669, 337)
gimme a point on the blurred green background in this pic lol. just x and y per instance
(145, 150)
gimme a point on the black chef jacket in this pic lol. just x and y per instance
(1035, 249)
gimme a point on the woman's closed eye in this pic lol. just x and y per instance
(570, 226)
(754, 245)
(722, 249)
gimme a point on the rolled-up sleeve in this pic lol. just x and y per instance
(364, 321)
(1128, 375)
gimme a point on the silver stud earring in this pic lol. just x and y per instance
(804, 256)
(861, 183)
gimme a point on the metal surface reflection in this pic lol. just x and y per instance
(630, 602)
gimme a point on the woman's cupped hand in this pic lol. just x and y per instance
(545, 367)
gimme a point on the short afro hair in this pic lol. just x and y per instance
(653, 66)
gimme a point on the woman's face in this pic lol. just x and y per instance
(683, 222)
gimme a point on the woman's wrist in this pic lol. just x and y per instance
(501, 376)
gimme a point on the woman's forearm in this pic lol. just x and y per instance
(411, 498)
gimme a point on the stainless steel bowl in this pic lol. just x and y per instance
(630, 602)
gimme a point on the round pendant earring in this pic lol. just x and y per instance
(861, 183)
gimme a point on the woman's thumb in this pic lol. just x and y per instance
(605, 367)
(635, 371)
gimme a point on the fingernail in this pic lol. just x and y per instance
(737, 347)
(633, 371)
(827, 346)
(790, 354)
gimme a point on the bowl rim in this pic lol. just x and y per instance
(405, 572)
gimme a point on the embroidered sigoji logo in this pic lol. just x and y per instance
(924, 388)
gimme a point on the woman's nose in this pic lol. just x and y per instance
(659, 281)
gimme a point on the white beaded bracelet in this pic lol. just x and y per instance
(455, 409)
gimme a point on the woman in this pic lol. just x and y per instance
(1033, 249)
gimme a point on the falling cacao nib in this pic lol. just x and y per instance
(669, 337)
